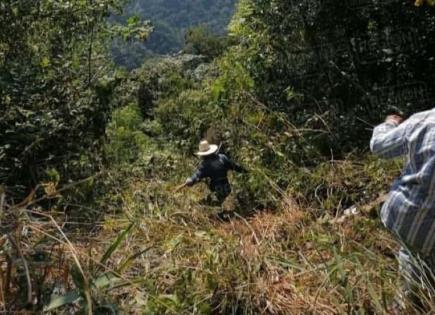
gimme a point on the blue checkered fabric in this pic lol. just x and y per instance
(409, 211)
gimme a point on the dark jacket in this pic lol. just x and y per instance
(214, 167)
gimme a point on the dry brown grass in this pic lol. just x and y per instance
(178, 258)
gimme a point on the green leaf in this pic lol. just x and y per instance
(127, 262)
(116, 244)
(45, 62)
(374, 296)
(173, 243)
(133, 20)
(59, 301)
(77, 278)
(105, 280)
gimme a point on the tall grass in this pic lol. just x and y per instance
(157, 251)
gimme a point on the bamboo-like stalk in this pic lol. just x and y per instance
(26, 269)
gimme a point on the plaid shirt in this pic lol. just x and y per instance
(409, 211)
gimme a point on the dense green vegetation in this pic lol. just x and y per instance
(291, 94)
(171, 20)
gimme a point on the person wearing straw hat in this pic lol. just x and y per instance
(215, 167)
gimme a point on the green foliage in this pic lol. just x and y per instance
(134, 30)
(233, 80)
(113, 247)
(161, 79)
(340, 61)
(299, 255)
(187, 116)
(56, 87)
(125, 138)
(171, 21)
(238, 26)
(200, 41)
(102, 282)
(419, 3)
(292, 247)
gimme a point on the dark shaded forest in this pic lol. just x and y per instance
(92, 154)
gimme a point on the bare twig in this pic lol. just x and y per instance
(76, 260)
(2, 203)
(254, 235)
(91, 31)
(8, 278)
(2, 294)
(26, 268)
(29, 201)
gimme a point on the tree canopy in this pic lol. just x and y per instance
(171, 20)
(55, 86)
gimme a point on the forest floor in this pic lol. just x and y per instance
(145, 249)
(149, 250)
(179, 257)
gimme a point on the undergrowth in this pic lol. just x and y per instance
(301, 234)
(153, 250)
(304, 234)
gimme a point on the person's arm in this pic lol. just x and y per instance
(196, 177)
(389, 138)
(233, 166)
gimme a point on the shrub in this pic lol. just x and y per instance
(126, 141)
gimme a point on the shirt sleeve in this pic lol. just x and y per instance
(389, 140)
(232, 165)
(197, 176)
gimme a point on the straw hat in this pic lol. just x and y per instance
(206, 149)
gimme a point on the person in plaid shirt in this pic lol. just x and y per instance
(409, 211)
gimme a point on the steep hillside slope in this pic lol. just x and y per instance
(171, 18)
(95, 223)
